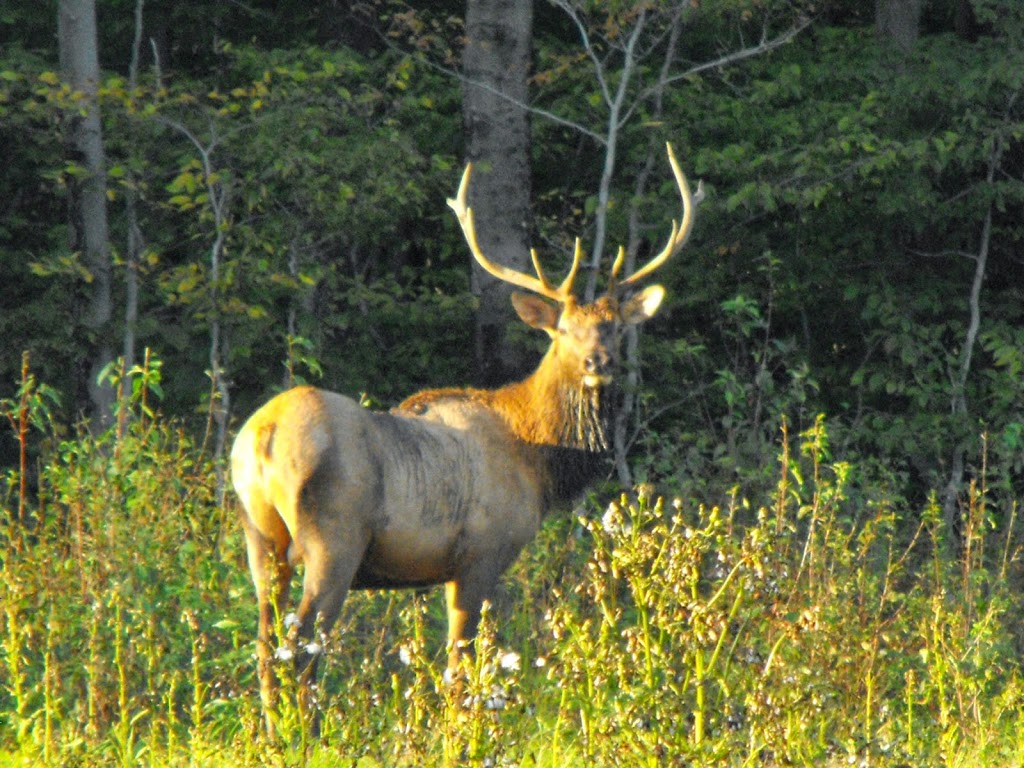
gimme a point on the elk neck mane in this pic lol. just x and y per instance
(551, 409)
(545, 409)
(567, 422)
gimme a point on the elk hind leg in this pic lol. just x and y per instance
(271, 575)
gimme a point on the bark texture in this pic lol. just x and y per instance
(496, 67)
(87, 202)
(897, 22)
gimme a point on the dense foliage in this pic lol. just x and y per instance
(800, 626)
(822, 588)
(855, 254)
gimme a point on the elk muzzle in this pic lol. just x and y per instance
(597, 370)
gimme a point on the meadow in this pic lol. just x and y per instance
(817, 620)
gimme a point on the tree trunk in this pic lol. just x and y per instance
(958, 401)
(79, 60)
(134, 244)
(897, 22)
(496, 66)
(631, 342)
(965, 23)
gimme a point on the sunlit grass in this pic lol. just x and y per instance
(823, 624)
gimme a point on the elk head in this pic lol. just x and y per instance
(584, 336)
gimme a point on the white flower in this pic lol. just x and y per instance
(497, 700)
(291, 620)
(405, 655)
(539, 662)
(314, 648)
(610, 519)
(284, 653)
(509, 661)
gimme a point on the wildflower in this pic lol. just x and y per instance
(497, 700)
(314, 648)
(610, 518)
(734, 720)
(539, 662)
(405, 655)
(509, 661)
(291, 620)
(495, 704)
(284, 653)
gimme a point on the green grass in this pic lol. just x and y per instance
(822, 624)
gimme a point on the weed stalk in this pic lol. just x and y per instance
(50, 688)
(14, 652)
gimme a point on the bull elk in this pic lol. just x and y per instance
(450, 485)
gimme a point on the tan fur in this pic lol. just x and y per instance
(445, 489)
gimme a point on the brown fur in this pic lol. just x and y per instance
(445, 489)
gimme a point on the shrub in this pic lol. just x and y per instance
(810, 625)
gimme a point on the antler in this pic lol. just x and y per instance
(679, 234)
(537, 284)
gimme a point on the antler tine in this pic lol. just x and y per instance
(680, 232)
(540, 272)
(538, 284)
(565, 289)
(620, 259)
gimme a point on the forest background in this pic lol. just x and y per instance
(248, 195)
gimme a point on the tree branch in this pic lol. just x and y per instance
(546, 114)
(744, 53)
(602, 140)
(958, 402)
(611, 151)
(570, 11)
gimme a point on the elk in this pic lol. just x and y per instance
(447, 487)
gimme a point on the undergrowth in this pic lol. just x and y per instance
(821, 624)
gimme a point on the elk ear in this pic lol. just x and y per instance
(536, 312)
(643, 305)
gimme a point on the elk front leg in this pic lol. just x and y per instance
(465, 598)
(331, 559)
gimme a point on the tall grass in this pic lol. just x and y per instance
(824, 623)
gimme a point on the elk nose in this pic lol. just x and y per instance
(597, 363)
(596, 370)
